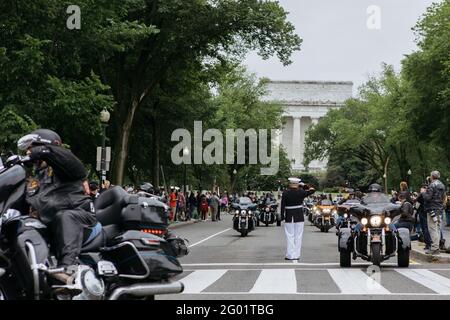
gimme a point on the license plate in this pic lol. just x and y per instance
(376, 238)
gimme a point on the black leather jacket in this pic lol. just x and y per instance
(434, 196)
(58, 185)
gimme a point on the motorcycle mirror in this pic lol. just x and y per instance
(12, 160)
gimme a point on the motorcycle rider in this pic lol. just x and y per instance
(374, 194)
(434, 198)
(57, 197)
(292, 209)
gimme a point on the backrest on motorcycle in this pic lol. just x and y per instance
(144, 213)
(108, 206)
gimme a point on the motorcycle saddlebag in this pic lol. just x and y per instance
(144, 213)
(141, 255)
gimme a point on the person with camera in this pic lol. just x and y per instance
(434, 197)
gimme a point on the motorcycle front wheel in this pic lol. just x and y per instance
(403, 257)
(244, 233)
(376, 253)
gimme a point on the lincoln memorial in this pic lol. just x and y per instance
(304, 103)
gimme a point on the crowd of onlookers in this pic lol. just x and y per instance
(207, 205)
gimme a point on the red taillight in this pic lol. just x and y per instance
(157, 232)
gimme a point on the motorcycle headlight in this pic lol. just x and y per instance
(267, 209)
(345, 215)
(364, 221)
(243, 212)
(387, 220)
(334, 211)
(326, 210)
(237, 211)
(375, 221)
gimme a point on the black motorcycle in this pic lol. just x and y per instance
(372, 238)
(120, 257)
(244, 220)
(268, 214)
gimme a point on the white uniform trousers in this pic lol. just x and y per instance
(294, 234)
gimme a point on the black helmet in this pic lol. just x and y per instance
(146, 187)
(375, 187)
(39, 137)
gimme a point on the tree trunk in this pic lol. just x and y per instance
(123, 143)
(156, 151)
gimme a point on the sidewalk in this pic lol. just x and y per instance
(418, 252)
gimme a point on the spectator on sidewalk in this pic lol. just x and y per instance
(192, 201)
(434, 198)
(223, 203)
(181, 206)
(420, 207)
(204, 208)
(447, 212)
(173, 204)
(405, 190)
(214, 204)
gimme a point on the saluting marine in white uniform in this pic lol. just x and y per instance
(292, 210)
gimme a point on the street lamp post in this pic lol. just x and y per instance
(185, 153)
(409, 178)
(104, 119)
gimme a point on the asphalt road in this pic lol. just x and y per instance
(223, 265)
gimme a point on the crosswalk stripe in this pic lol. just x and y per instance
(197, 281)
(275, 281)
(428, 279)
(355, 281)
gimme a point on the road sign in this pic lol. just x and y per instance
(99, 158)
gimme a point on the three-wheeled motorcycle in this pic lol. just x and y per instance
(374, 238)
(244, 220)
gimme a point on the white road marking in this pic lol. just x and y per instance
(353, 281)
(323, 294)
(216, 234)
(284, 264)
(275, 281)
(200, 280)
(431, 280)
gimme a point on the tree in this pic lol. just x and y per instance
(428, 71)
(375, 129)
(175, 34)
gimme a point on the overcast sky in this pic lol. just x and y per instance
(338, 44)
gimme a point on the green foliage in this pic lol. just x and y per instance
(428, 71)
(371, 133)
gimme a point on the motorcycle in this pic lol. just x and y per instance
(244, 220)
(268, 214)
(120, 258)
(372, 238)
(324, 215)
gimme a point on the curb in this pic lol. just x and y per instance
(419, 254)
(181, 224)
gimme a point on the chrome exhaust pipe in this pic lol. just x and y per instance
(148, 289)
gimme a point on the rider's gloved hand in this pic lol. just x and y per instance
(36, 153)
